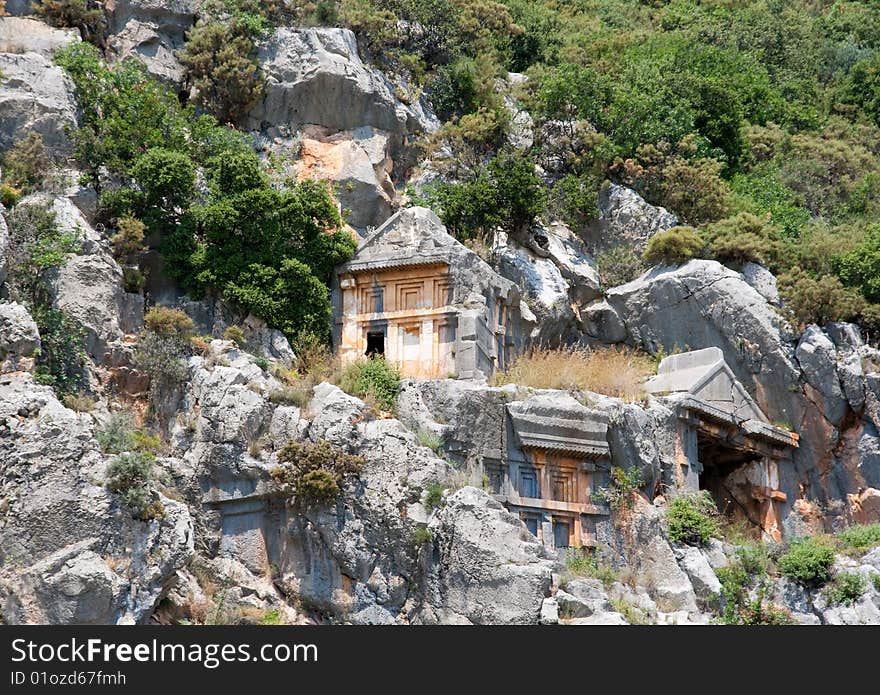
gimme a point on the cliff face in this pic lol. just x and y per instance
(418, 535)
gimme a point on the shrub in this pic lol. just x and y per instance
(674, 246)
(292, 394)
(173, 324)
(808, 561)
(430, 439)
(63, 362)
(422, 535)
(618, 266)
(131, 476)
(220, 63)
(615, 372)
(846, 588)
(583, 564)
(374, 378)
(85, 15)
(875, 580)
(860, 538)
(163, 359)
(120, 434)
(314, 473)
(434, 496)
(128, 242)
(506, 193)
(692, 518)
(812, 300)
(624, 484)
(80, 402)
(741, 239)
(235, 334)
(860, 267)
(26, 164)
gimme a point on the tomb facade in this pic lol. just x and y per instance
(724, 443)
(417, 297)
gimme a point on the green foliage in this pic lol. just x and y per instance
(235, 334)
(621, 492)
(85, 15)
(618, 266)
(26, 164)
(584, 564)
(846, 588)
(819, 301)
(430, 439)
(372, 378)
(131, 476)
(314, 473)
(172, 324)
(741, 239)
(220, 62)
(120, 434)
(860, 267)
(506, 193)
(62, 363)
(422, 535)
(433, 496)
(808, 561)
(692, 518)
(860, 538)
(674, 246)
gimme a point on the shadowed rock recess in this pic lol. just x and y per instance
(509, 403)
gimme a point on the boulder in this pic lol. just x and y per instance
(490, 569)
(315, 76)
(625, 219)
(762, 280)
(35, 96)
(583, 598)
(817, 359)
(703, 579)
(4, 248)
(19, 337)
(69, 551)
(22, 35)
(549, 612)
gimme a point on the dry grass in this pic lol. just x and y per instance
(79, 402)
(616, 372)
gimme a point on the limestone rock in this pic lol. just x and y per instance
(492, 571)
(19, 337)
(22, 35)
(703, 579)
(35, 96)
(549, 612)
(762, 280)
(583, 598)
(4, 248)
(625, 219)
(312, 72)
(817, 358)
(69, 552)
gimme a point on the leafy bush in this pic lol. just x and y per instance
(620, 493)
(372, 378)
(860, 538)
(162, 355)
(422, 535)
(618, 266)
(741, 239)
(85, 15)
(812, 300)
(506, 194)
(846, 588)
(26, 164)
(674, 246)
(587, 564)
(692, 518)
(314, 473)
(131, 476)
(120, 434)
(219, 58)
(808, 561)
(173, 324)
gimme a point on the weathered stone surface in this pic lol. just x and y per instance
(817, 359)
(69, 552)
(311, 72)
(22, 35)
(625, 219)
(492, 570)
(601, 322)
(35, 96)
(583, 598)
(19, 337)
(762, 280)
(703, 579)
